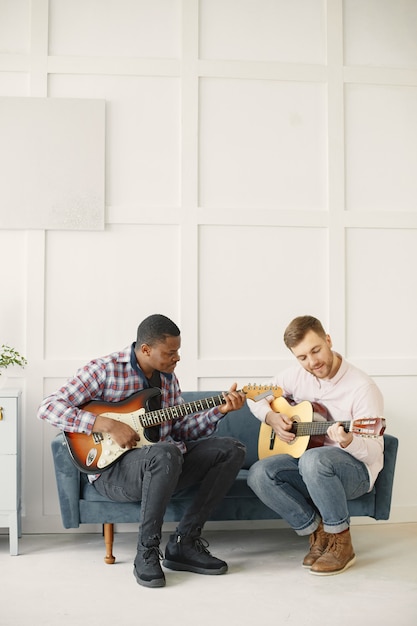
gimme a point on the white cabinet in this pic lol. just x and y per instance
(10, 507)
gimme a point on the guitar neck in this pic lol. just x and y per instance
(315, 428)
(155, 418)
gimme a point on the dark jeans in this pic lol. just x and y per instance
(153, 473)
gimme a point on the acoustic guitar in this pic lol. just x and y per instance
(96, 452)
(304, 428)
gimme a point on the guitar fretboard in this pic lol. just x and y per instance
(154, 418)
(314, 428)
(366, 426)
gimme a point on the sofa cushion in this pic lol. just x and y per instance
(241, 424)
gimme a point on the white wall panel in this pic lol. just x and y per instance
(12, 289)
(14, 84)
(120, 28)
(142, 135)
(380, 33)
(15, 26)
(263, 144)
(381, 293)
(108, 283)
(262, 277)
(263, 30)
(401, 421)
(381, 154)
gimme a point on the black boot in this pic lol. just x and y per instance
(147, 567)
(189, 553)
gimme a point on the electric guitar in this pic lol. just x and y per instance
(96, 452)
(304, 428)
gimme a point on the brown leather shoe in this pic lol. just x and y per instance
(338, 556)
(319, 540)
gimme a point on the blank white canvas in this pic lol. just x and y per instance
(52, 163)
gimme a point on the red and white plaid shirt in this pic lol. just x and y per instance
(112, 378)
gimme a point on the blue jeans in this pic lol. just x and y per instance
(315, 486)
(152, 474)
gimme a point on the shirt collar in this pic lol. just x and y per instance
(135, 365)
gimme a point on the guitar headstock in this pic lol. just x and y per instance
(257, 392)
(368, 426)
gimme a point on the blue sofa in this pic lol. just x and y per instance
(81, 504)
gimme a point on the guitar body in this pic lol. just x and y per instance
(97, 452)
(309, 433)
(269, 444)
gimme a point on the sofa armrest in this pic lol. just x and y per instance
(68, 483)
(384, 482)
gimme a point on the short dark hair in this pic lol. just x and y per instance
(156, 328)
(299, 327)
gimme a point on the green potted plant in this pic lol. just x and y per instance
(10, 356)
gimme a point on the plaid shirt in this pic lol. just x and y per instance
(113, 378)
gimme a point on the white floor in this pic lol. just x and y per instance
(62, 579)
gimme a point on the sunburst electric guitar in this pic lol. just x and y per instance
(304, 428)
(97, 452)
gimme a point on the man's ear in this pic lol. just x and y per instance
(145, 349)
(329, 341)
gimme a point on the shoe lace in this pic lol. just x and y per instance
(152, 555)
(201, 545)
(336, 543)
(319, 539)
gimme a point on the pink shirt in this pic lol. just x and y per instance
(350, 394)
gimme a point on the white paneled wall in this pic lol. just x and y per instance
(260, 163)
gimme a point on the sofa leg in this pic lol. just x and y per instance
(108, 531)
